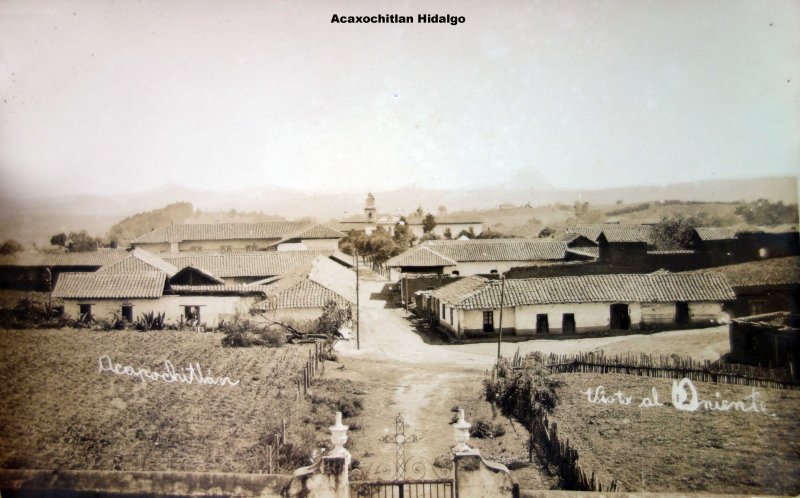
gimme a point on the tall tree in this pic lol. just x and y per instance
(10, 247)
(428, 223)
(673, 233)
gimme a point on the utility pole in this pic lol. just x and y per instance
(358, 337)
(502, 298)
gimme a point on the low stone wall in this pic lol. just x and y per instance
(90, 483)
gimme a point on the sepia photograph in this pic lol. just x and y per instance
(399, 249)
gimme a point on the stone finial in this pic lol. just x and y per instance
(461, 432)
(338, 436)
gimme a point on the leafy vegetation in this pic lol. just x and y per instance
(10, 247)
(79, 241)
(151, 321)
(763, 212)
(140, 223)
(673, 233)
(524, 393)
(629, 209)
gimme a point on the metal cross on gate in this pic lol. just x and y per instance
(400, 439)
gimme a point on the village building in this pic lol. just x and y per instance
(476, 256)
(235, 237)
(460, 258)
(302, 295)
(765, 286)
(578, 305)
(372, 220)
(40, 271)
(769, 340)
(143, 282)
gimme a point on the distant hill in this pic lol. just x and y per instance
(32, 219)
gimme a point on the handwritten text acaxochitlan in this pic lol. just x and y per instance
(192, 374)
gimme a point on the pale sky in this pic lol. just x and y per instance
(113, 96)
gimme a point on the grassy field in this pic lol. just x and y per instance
(663, 449)
(60, 411)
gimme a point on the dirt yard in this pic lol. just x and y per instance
(60, 411)
(663, 449)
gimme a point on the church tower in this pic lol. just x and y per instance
(370, 213)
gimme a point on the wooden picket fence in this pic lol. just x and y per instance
(311, 370)
(275, 443)
(665, 367)
(565, 457)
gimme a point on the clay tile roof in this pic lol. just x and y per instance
(302, 293)
(324, 281)
(217, 290)
(715, 233)
(420, 256)
(768, 272)
(140, 260)
(245, 264)
(452, 252)
(642, 234)
(459, 290)
(600, 289)
(592, 232)
(97, 285)
(317, 232)
(93, 258)
(220, 231)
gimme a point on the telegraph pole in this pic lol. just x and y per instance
(502, 298)
(358, 337)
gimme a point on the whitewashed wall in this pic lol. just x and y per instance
(212, 308)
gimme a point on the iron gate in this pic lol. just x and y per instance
(422, 488)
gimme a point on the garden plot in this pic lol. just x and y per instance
(61, 410)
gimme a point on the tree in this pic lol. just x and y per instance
(428, 223)
(470, 234)
(546, 232)
(447, 234)
(491, 234)
(60, 239)
(419, 212)
(672, 233)
(10, 247)
(83, 242)
(763, 212)
(430, 236)
(332, 318)
(403, 236)
(441, 210)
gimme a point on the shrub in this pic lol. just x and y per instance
(482, 428)
(272, 337)
(526, 393)
(151, 321)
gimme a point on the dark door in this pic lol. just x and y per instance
(542, 327)
(127, 312)
(620, 317)
(488, 321)
(568, 323)
(682, 313)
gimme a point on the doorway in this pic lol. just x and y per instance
(620, 317)
(568, 323)
(542, 326)
(682, 313)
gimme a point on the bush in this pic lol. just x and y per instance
(525, 393)
(485, 429)
(151, 321)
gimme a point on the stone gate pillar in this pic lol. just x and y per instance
(329, 476)
(476, 477)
